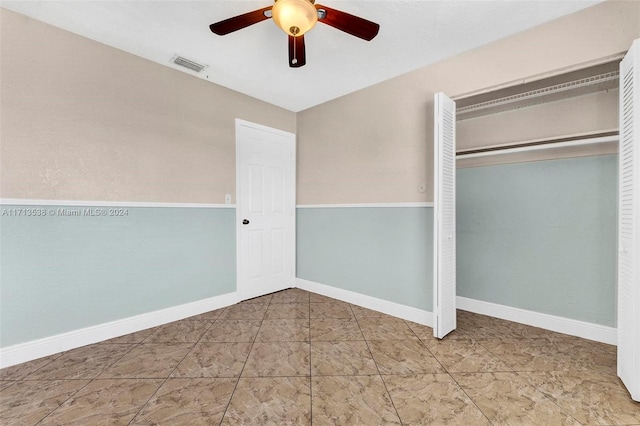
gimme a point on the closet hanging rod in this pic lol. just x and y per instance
(598, 138)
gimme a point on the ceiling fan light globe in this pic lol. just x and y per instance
(294, 17)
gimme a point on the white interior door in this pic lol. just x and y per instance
(444, 228)
(629, 223)
(265, 214)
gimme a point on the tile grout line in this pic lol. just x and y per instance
(246, 359)
(172, 371)
(427, 348)
(513, 371)
(450, 375)
(63, 402)
(310, 369)
(39, 368)
(366, 342)
(544, 395)
(525, 369)
(469, 396)
(133, 346)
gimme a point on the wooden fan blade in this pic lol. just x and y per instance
(348, 23)
(239, 22)
(297, 54)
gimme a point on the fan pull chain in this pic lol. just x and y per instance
(295, 56)
(294, 31)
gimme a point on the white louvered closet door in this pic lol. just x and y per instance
(629, 223)
(444, 229)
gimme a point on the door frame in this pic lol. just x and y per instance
(241, 285)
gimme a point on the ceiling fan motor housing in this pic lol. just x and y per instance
(295, 17)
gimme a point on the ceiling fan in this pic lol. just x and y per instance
(296, 17)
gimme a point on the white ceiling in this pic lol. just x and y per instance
(254, 60)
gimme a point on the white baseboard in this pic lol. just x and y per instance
(390, 308)
(586, 330)
(28, 351)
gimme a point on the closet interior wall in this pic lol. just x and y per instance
(537, 228)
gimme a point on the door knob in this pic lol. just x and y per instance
(245, 222)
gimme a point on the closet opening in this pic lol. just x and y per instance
(537, 200)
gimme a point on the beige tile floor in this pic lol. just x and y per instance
(296, 358)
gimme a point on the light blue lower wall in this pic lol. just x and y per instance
(383, 252)
(540, 236)
(63, 273)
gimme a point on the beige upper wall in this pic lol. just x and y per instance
(375, 145)
(83, 121)
(80, 120)
(582, 115)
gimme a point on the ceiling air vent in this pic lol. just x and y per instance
(187, 63)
